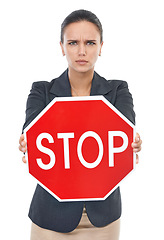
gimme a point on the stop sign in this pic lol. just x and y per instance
(79, 148)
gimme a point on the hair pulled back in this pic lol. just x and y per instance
(78, 16)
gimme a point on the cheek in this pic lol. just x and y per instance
(70, 53)
(94, 54)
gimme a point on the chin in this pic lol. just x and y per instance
(83, 69)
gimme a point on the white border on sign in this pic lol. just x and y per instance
(82, 98)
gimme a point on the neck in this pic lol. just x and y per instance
(80, 82)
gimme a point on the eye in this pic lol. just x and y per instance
(73, 43)
(90, 43)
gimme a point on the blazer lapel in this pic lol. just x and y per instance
(61, 86)
(100, 86)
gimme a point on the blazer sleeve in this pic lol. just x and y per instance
(35, 103)
(124, 101)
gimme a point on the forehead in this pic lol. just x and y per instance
(83, 29)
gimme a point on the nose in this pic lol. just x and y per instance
(82, 49)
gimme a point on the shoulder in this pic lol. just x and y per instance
(112, 82)
(41, 88)
(118, 87)
(49, 84)
(42, 85)
(117, 84)
(118, 94)
(105, 86)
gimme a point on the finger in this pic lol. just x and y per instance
(137, 137)
(23, 149)
(136, 149)
(136, 145)
(137, 159)
(22, 142)
(24, 159)
(21, 138)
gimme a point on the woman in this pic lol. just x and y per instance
(81, 43)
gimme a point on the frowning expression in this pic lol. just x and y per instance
(81, 45)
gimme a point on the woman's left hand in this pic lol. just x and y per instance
(137, 146)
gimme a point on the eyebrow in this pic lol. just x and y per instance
(74, 40)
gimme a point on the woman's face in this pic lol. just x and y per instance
(81, 45)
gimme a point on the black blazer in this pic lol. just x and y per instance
(45, 210)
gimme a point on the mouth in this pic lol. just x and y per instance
(81, 62)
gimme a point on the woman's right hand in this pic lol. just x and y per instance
(22, 147)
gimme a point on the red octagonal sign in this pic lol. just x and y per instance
(79, 148)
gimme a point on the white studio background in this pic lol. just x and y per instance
(133, 51)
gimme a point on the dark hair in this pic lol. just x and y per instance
(81, 15)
